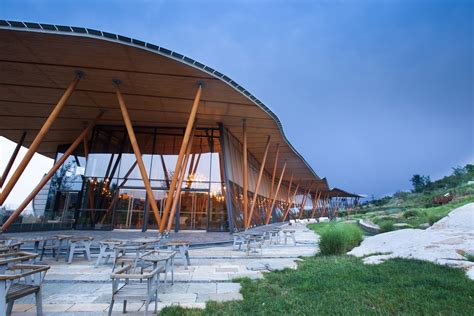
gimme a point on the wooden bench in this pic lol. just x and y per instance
(15, 285)
(144, 287)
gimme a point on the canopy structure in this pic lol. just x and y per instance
(37, 62)
(339, 193)
(133, 116)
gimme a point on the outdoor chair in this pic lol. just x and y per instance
(239, 241)
(128, 254)
(162, 259)
(182, 251)
(290, 233)
(273, 236)
(253, 243)
(139, 287)
(18, 281)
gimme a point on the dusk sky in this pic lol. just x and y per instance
(369, 92)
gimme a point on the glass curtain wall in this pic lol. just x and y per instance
(233, 154)
(113, 194)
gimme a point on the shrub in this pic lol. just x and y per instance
(434, 218)
(386, 226)
(411, 213)
(469, 256)
(339, 238)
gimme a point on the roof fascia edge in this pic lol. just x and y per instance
(119, 39)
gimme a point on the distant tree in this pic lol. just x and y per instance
(417, 182)
(469, 169)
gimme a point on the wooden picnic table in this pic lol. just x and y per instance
(55, 243)
(107, 249)
(7, 259)
(157, 256)
(145, 241)
(36, 240)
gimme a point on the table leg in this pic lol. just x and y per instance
(101, 254)
(72, 248)
(87, 246)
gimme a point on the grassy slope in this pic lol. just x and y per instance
(420, 202)
(344, 285)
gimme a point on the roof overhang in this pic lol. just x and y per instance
(37, 62)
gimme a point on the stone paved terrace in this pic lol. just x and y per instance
(81, 289)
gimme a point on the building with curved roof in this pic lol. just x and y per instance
(55, 80)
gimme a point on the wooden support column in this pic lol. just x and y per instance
(165, 170)
(136, 150)
(303, 202)
(180, 182)
(291, 202)
(12, 159)
(316, 203)
(270, 211)
(244, 150)
(39, 138)
(275, 165)
(257, 186)
(86, 147)
(179, 162)
(50, 174)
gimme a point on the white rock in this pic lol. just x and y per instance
(324, 219)
(438, 244)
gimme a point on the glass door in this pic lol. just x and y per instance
(130, 209)
(66, 203)
(193, 210)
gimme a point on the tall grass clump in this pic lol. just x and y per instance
(339, 238)
(386, 226)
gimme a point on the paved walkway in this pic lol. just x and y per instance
(81, 289)
(441, 243)
(196, 237)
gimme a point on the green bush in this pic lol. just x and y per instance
(434, 218)
(469, 256)
(339, 238)
(411, 213)
(386, 226)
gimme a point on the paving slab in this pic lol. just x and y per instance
(81, 289)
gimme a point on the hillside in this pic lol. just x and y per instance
(427, 203)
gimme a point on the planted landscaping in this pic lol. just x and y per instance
(336, 285)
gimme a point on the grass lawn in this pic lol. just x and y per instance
(344, 285)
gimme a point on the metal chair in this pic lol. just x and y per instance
(15, 285)
(128, 286)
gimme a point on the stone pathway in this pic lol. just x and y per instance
(81, 289)
(441, 243)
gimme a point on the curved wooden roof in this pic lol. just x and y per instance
(37, 62)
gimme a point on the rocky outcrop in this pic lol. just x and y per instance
(441, 243)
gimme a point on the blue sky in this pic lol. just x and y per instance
(369, 92)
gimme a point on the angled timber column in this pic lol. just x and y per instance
(287, 206)
(291, 202)
(317, 195)
(136, 150)
(244, 151)
(50, 174)
(274, 171)
(180, 181)
(270, 211)
(39, 138)
(257, 185)
(179, 162)
(303, 202)
(12, 159)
